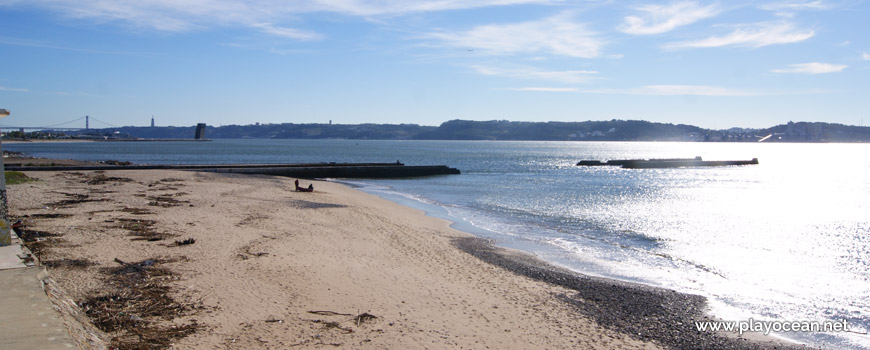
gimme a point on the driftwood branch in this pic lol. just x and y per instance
(328, 313)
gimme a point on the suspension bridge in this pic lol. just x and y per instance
(65, 125)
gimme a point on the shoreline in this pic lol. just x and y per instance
(681, 307)
(605, 310)
(632, 308)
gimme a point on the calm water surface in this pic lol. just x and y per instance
(783, 240)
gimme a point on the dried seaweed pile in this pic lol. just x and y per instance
(73, 199)
(139, 306)
(38, 241)
(167, 201)
(142, 230)
(99, 179)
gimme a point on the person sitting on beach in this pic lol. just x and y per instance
(303, 189)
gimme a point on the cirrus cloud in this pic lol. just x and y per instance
(565, 76)
(546, 89)
(285, 32)
(557, 35)
(805, 5)
(657, 19)
(12, 89)
(812, 68)
(679, 90)
(755, 36)
(187, 15)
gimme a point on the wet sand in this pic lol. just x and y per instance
(246, 262)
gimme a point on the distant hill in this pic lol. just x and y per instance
(817, 132)
(612, 130)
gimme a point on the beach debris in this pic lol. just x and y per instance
(250, 255)
(358, 319)
(167, 201)
(167, 184)
(334, 325)
(137, 211)
(188, 241)
(320, 342)
(328, 313)
(48, 216)
(250, 219)
(363, 317)
(134, 211)
(38, 241)
(67, 263)
(100, 179)
(72, 199)
(137, 305)
(142, 230)
(303, 204)
(247, 253)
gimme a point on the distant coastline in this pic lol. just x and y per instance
(493, 130)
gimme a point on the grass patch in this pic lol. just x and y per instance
(17, 177)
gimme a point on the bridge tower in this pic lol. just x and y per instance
(87, 122)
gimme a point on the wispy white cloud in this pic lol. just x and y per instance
(279, 51)
(397, 7)
(678, 90)
(546, 89)
(78, 93)
(558, 35)
(812, 68)
(285, 32)
(755, 35)
(566, 76)
(866, 56)
(12, 89)
(657, 19)
(47, 45)
(794, 5)
(186, 15)
(788, 9)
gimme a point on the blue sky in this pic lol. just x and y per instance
(711, 64)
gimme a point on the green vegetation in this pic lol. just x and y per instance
(17, 177)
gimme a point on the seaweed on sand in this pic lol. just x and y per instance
(142, 230)
(74, 198)
(68, 263)
(138, 306)
(38, 241)
(166, 201)
(100, 179)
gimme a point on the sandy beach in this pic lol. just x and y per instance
(194, 260)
